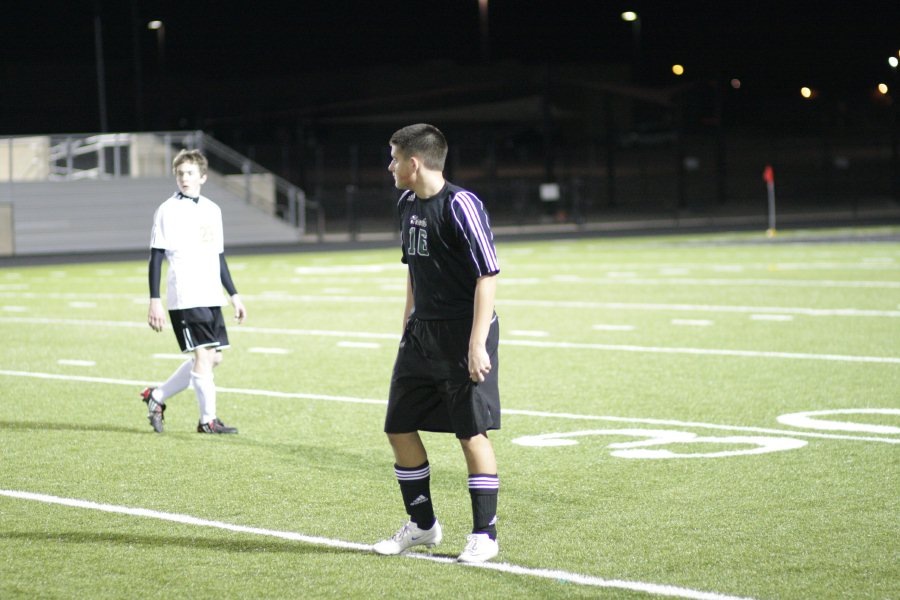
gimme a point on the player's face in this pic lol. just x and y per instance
(403, 169)
(189, 179)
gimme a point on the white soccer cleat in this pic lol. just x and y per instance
(479, 548)
(408, 536)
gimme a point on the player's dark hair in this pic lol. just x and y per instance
(423, 141)
(191, 156)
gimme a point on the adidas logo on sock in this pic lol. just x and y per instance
(420, 500)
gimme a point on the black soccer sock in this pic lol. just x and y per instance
(416, 490)
(483, 490)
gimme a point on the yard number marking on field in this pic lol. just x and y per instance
(661, 437)
(510, 411)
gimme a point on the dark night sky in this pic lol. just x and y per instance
(771, 46)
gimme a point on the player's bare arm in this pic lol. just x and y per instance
(156, 315)
(409, 301)
(240, 313)
(479, 361)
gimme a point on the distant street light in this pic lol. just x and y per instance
(678, 70)
(101, 68)
(484, 30)
(160, 28)
(162, 99)
(632, 17)
(895, 128)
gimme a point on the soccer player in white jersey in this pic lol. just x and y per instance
(445, 374)
(188, 234)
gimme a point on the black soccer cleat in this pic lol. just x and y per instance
(155, 410)
(215, 426)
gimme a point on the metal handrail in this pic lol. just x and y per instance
(297, 202)
(71, 157)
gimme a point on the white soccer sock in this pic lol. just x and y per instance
(205, 388)
(177, 381)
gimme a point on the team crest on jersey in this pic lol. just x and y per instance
(418, 221)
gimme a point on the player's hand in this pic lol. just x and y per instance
(479, 364)
(240, 313)
(156, 316)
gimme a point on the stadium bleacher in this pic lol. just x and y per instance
(98, 193)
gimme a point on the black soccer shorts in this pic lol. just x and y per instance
(430, 386)
(201, 327)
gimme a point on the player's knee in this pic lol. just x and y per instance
(476, 442)
(398, 440)
(408, 448)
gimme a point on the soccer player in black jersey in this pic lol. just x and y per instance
(445, 374)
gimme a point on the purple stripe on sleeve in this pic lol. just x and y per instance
(473, 214)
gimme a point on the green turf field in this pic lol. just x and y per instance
(709, 416)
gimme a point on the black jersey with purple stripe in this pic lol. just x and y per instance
(448, 244)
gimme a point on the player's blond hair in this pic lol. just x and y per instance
(423, 141)
(191, 156)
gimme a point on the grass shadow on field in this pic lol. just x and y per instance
(332, 458)
(49, 426)
(162, 541)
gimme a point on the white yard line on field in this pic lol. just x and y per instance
(556, 575)
(244, 328)
(692, 322)
(365, 345)
(619, 278)
(588, 304)
(506, 342)
(887, 263)
(268, 351)
(509, 411)
(705, 351)
(713, 308)
(772, 317)
(75, 362)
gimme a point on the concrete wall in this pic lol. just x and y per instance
(149, 157)
(99, 216)
(262, 189)
(25, 158)
(7, 240)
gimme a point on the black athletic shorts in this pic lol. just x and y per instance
(201, 327)
(430, 386)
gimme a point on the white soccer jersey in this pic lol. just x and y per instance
(192, 236)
